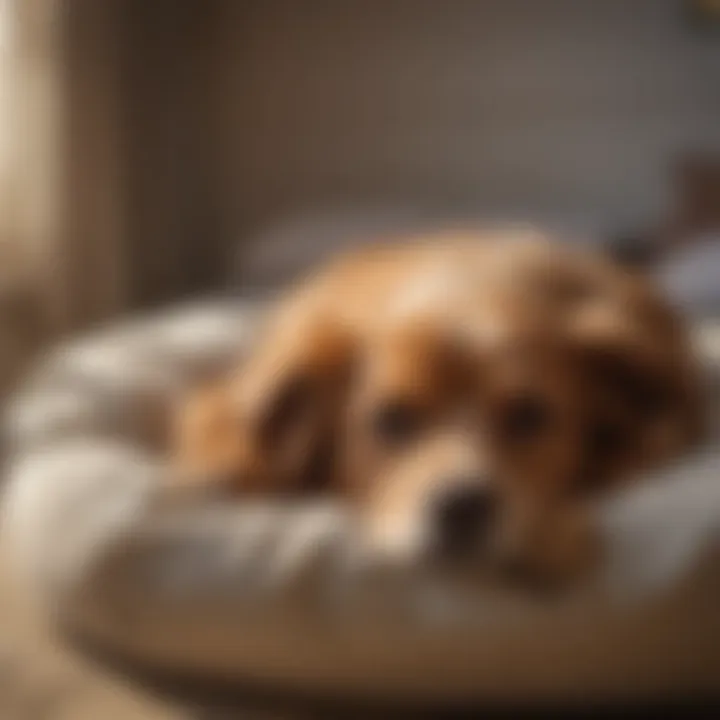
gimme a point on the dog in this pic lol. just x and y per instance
(468, 395)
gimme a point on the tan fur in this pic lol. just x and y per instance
(461, 329)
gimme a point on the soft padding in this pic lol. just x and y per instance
(283, 594)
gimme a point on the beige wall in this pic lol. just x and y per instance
(159, 135)
(561, 109)
(30, 296)
(110, 165)
(171, 65)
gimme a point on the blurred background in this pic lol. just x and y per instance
(155, 150)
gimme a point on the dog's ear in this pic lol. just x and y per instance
(287, 399)
(644, 387)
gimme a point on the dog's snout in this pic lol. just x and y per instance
(463, 513)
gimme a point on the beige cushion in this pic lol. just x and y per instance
(283, 593)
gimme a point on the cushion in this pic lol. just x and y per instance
(690, 274)
(281, 593)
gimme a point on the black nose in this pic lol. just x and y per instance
(462, 514)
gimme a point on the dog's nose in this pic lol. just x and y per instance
(463, 513)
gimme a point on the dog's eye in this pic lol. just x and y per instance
(525, 418)
(396, 423)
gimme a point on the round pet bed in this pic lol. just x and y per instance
(279, 594)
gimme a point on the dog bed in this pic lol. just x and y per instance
(280, 594)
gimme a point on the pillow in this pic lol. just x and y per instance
(278, 593)
(691, 276)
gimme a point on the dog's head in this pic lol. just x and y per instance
(492, 449)
(476, 426)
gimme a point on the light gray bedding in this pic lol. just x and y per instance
(282, 594)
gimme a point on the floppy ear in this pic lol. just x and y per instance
(271, 425)
(286, 401)
(644, 380)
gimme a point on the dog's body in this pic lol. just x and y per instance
(465, 394)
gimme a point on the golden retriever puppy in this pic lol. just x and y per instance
(467, 395)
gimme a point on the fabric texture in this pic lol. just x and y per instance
(282, 593)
